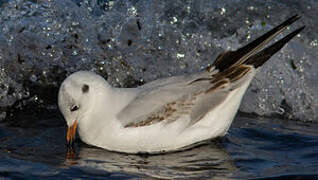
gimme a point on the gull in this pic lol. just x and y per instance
(169, 114)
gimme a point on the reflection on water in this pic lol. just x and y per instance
(204, 161)
(254, 148)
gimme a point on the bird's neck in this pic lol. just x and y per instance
(106, 106)
(109, 101)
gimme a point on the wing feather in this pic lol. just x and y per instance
(192, 97)
(195, 95)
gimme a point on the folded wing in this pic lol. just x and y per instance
(166, 100)
(192, 96)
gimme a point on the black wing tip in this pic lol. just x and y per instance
(229, 59)
(261, 57)
(226, 60)
(290, 20)
(294, 18)
(300, 29)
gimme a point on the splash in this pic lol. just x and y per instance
(133, 42)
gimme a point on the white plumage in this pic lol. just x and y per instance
(167, 114)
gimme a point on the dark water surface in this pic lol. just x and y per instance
(254, 148)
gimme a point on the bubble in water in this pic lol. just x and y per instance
(33, 78)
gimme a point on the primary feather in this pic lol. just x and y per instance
(168, 99)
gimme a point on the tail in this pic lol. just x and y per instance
(250, 54)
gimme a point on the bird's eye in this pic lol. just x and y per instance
(74, 108)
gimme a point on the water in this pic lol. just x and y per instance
(34, 147)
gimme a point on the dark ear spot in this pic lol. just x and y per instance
(85, 88)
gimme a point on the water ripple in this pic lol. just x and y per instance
(253, 148)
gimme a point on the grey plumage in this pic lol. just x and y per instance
(195, 95)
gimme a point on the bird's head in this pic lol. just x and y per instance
(76, 98)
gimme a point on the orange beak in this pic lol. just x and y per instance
(71, 132)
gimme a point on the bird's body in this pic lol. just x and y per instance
(167, 114)
(104, 128)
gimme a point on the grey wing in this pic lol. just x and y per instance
(166, 101)
(155, 98)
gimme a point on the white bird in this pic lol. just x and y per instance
(166, 114)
